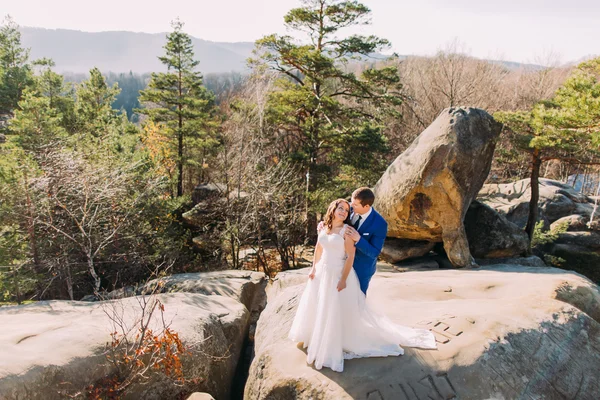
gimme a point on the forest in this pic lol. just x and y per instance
(110, 178)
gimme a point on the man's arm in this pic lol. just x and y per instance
(373, 249)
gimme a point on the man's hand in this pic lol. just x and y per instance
(352, 234)
(320, 227)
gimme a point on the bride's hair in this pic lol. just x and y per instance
(330, 213)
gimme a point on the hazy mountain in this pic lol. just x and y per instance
(78, 51)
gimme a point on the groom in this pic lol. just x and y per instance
(368, 233)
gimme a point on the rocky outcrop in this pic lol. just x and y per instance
(395, 250)
(57, 348)
(559, 206)
(503, 331)
(556, 200)
(247, 287)
(424, 194)
(491, 235)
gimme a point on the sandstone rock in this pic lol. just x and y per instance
(578, 258)
(208, 191)
(530, 261)
(504, 332)
(574, 222)
(55, 348)
(205, 213)
(200, 396)
(415, 264)
(557, 200)
(491, 235)
(240, 285)
(284, 280)
(590, 240)
(424, 194)
(395, 250)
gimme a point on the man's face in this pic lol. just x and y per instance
(358, 208)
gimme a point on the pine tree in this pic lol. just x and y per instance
(566, 128)
(93, 107)
(331, 115)
(178, 101)
(15, 72)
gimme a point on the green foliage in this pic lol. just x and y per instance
(564, 126)
(93, 106)
(543, 237)
(36, 122)
(178, 101)
(15, 72)
(328, 121)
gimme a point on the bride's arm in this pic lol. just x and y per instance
(316, 258)
(350, 250)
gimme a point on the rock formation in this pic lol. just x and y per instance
(56, 347)
(503, 331)
(559, 204)
(425, 193)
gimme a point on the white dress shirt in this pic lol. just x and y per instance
(363, 217)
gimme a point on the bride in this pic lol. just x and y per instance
(333, 320)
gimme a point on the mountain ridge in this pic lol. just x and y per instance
(124, 51)
(78, 51)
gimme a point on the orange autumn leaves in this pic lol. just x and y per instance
(160, 149)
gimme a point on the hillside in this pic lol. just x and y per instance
(77, 51)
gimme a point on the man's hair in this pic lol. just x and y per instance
(364, 195)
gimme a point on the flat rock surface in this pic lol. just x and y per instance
(59, 345)
(504, 332)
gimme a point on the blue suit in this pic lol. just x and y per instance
(372, 231)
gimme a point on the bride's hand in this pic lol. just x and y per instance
(311, 275)
(341, 285)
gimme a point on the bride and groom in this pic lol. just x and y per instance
(333, 320)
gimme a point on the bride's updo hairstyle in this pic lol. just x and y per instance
(331, 211)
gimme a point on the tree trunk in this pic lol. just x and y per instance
(16, 283)
(536, 163)
(69, 281)
(93, 273)
(37, 265)
(180, 142)
(180, 159)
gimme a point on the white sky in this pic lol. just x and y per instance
(513, 30)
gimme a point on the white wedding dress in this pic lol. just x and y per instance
(340, 325)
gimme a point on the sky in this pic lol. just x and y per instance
(530, 31)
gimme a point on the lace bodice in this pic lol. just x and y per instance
(333, 246)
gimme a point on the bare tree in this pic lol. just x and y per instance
(88, 205)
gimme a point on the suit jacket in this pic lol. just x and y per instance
(372, 235)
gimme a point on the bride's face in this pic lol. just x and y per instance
(341, 212)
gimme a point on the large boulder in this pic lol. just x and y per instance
(560, 206)
(503, 331)
(395, 250)
(247, 287)
(557, 200)
(52, 349)
(424, 194)
(491, 235)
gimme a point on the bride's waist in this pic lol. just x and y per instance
(333, 260)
